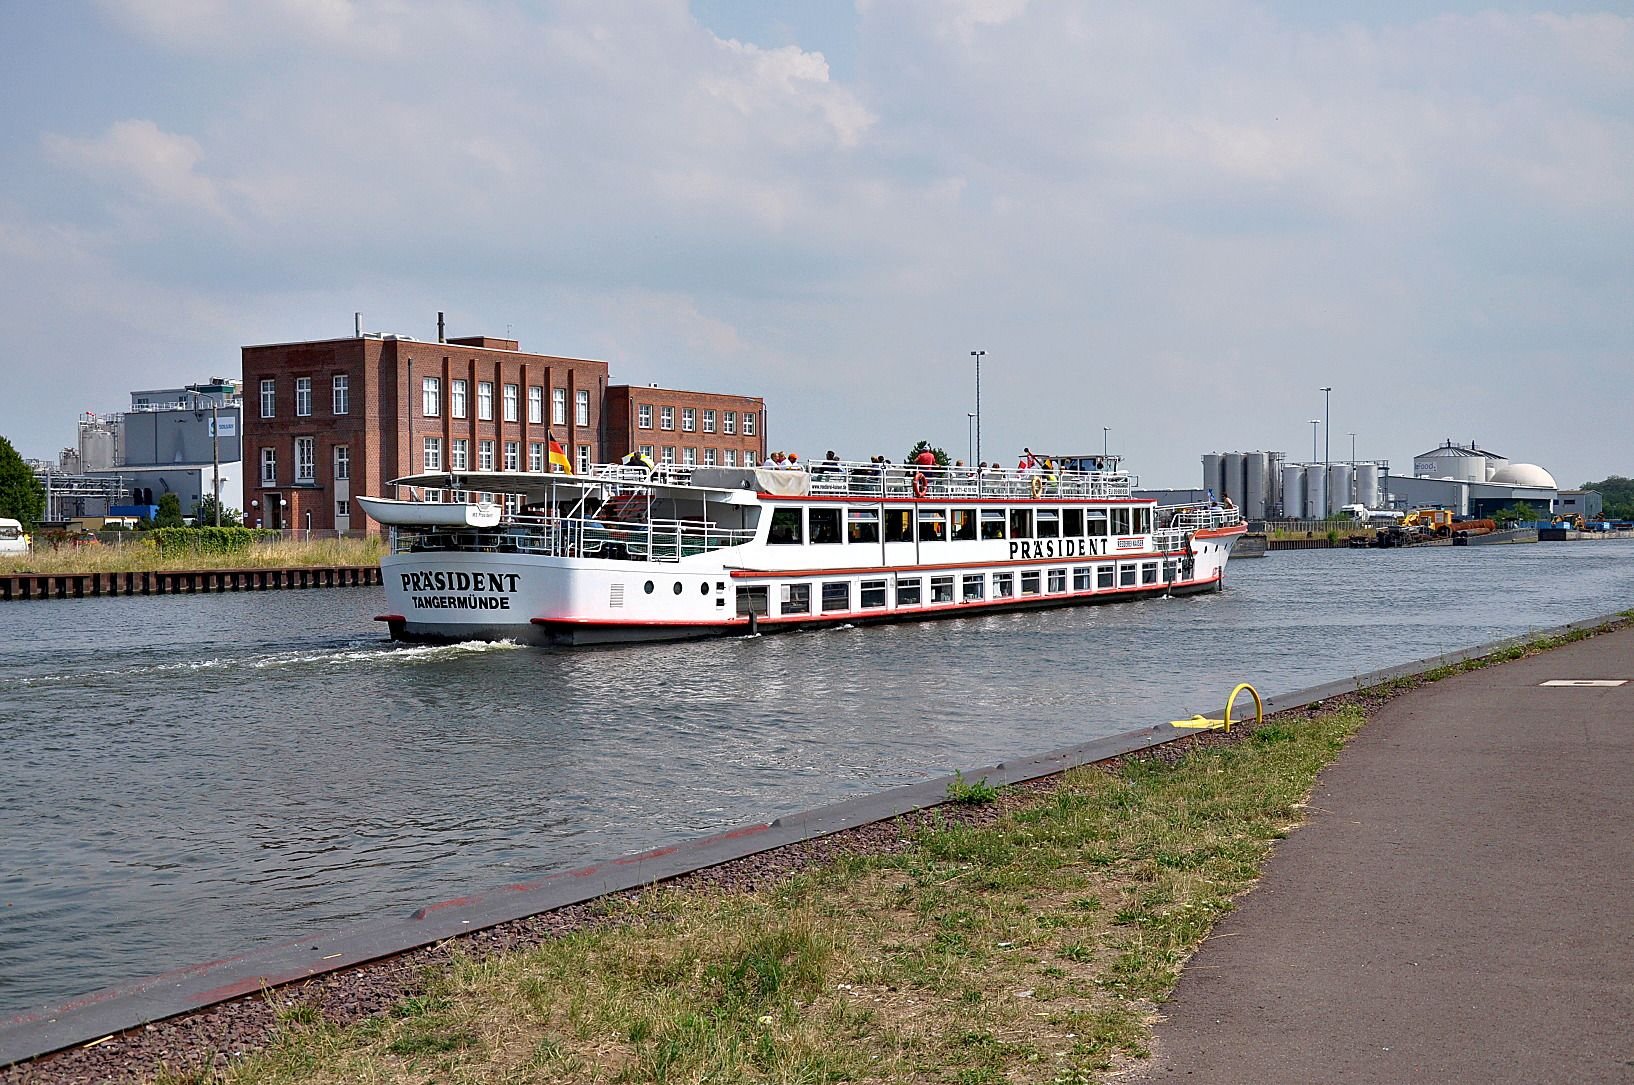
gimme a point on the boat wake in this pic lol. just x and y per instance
(332, 656)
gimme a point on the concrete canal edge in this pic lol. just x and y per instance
(117, 1009)
(18, 586)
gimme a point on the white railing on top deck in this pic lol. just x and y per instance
(849, 478)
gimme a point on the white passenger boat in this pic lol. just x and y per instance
(628, 554)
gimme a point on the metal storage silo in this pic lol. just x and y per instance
(1211, 471)
(1293, 492)
(1273, 478)
(1256, 481)
(1339, 479)
(1367, 484)
(1316, 491)
(1231, 484)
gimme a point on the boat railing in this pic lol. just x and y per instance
(1189, 518)
(576, 537)
(851, 478)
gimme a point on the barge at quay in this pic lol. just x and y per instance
(631, 553)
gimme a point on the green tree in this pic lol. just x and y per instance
(922, 446)
(170, 512)
(205, 514)
(21, 495)
(1520, 511)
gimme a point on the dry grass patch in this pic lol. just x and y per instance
(1034, 948)
(136, 553)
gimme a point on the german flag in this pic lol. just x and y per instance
(558, 456)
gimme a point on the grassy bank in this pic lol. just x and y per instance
(1033, 947)
(138, 554)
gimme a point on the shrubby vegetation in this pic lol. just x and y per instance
(208, 540)
(1618, 494)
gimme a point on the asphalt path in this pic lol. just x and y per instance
(1458, 908)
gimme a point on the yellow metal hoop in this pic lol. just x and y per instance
(1203, 723)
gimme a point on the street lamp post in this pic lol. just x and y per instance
(970, 442)
(1315, 422)
(978, 355)
(1106, 432)
(1327, 447)
(215, 446)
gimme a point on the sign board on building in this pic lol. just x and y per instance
(229, 426)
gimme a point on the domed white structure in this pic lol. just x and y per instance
(1523, 474)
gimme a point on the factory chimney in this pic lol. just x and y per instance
(440, 338)
(357, 325)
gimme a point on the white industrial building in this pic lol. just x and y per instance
(1472, 481)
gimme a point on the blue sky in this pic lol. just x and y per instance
(1176, 220)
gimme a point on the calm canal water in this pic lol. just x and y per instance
(186, 777)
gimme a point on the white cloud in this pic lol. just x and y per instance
(140, 160)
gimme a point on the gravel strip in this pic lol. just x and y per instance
(213, 1036)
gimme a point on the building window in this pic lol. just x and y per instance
(485, 455)
(583, 467)
(269, 398)
(431, 396)
(485, 401)
(643, 416)
(456, 399)
(669, 454)
(558, 406)
(689, 456)
(459, 454)
(536, 405)
(581, 408)
(513, 403)
(729, 422)
(666, 418)
(689, 420)
(709, 421)
(303, 397)
(306, 466)
(731, 457)
(431, 454)
(343, 507)
(342, 401)
(434, 495)
(647, 451)
(513, 455)
(343, 463)
(269, 467)
(536, 455)
(709, 457)
(748, 423)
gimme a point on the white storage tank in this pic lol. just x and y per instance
(1367, 484)
(1339, 480)
(1316, 491)
(1211, 472)
(1273, 477)
(1256, 484)
(1293, 492)
(1231, 484)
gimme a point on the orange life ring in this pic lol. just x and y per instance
(921, 484)
(1038, 487)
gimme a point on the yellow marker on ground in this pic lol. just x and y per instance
(1203, 723)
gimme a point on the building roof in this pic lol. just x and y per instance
(1523, 474)
(1452, 451)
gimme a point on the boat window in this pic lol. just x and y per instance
(1058, 580)
(1105, 575)
(1021, 523)
(993, 523)
(872, 594)
(1170, 572)
(786, 527)
(836, 595)
(932, 525)
(899, 525)
(941, 589)
(975, 586)
(1072, 523)
(824, 524)
(964, 524)
(1080, 578)
(751, 601)
(863, 526)
(1148, 573)
(1120, 521)
(1030, 583)
(1126, 576)
(908, 592)
(796, 598)
(1049, 523)
(1143, 521)
(1004, 585)
(1096, 526)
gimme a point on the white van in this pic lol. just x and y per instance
(12, 539)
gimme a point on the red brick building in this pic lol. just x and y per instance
(693, 428)
(328, 420)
